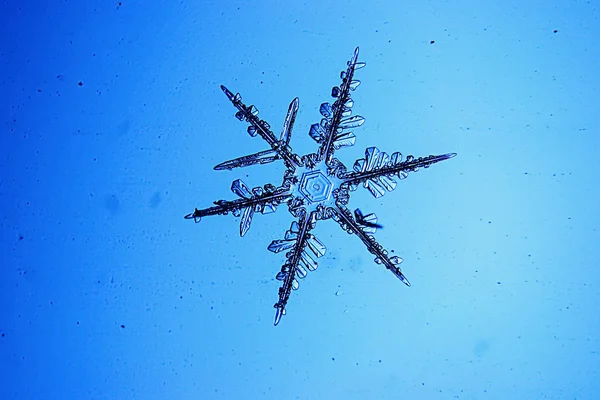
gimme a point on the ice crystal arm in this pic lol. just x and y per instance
(260, 127)
(288, 123)
(377, 171)
(263, 200)
(332, 132)
(303, 248)
(344, 217)
(262, 157)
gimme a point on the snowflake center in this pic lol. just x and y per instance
(315, 187)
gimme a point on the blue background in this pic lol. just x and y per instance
(112, 119)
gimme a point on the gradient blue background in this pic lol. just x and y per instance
(108, 293)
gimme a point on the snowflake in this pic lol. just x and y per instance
(315, 186)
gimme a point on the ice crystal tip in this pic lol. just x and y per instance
(193, 216)
(278, 314)
(316, 186)
(227, 92)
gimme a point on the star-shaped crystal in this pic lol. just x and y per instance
(316, 186)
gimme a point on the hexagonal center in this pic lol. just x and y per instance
(315, 186)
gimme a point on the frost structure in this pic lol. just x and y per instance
(315, 186)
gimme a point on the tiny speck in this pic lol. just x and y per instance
(432, 42)
(332, 358)
(498, 283)
(122, 326)
(556, 30)
(80, 83)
